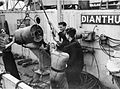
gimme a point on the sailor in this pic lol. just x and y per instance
(62, 34)
(62, 27)
(58, 65)
(58, 59)
(7, 55)
(76, 62)
(60, 37)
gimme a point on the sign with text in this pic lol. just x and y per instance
(101, 19)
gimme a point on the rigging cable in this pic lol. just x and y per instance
(108, 45)
(47, 17)
(97, 66)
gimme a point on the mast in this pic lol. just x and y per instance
(59, 11)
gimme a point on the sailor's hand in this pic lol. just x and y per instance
(41, 48)
(13, 39)
(11, 43)
(23, 45)
(58, 43)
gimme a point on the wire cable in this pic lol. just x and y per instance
(108, 45)
(47, 17)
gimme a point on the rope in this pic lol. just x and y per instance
(89, 81)
(26, 15)
(108, 45)
(44, 10)
(97, 66)
(47, 17)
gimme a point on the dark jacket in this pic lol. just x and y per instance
(64, 42)
(76, 60)
(62, 36)
(75, 51)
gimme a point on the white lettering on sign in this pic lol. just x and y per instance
(110, 19)
(117, 20)
(83, 18)
(101, 19)
(92, 19)
(98, 19)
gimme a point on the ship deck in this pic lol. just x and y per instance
(27, 75)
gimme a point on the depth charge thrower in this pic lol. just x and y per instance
(32, 37)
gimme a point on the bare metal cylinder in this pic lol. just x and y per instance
(28, 34)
